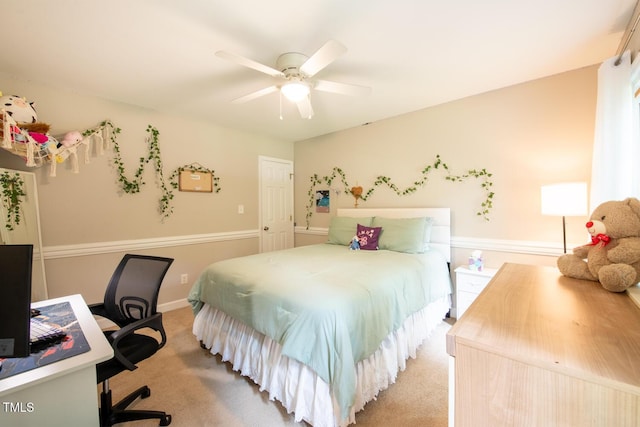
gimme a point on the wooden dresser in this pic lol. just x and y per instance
(540, 349)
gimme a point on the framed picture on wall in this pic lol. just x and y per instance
(322, 201)
(196, 181)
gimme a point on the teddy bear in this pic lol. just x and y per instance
(613, 256)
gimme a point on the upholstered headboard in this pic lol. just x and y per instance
(440, 229)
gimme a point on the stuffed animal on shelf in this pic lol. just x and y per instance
(24, 114)
(613, 256)
(37, 127)
(19, 109)
(38, 131)
(355, 244)
(71, 138)
(20, 131)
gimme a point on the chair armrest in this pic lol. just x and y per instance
(98, 309)
(153, 322)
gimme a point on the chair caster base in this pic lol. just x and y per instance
(145, 392)
(118, 413)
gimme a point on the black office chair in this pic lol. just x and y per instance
(130, 302)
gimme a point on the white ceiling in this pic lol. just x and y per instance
(160, 54)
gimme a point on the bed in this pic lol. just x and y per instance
(324, 328)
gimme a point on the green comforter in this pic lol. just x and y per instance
(327, 306)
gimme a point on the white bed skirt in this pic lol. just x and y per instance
(295, 385)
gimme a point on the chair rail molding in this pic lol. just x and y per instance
(97, 248)
(457, 242)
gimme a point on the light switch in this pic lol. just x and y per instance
(240, 209)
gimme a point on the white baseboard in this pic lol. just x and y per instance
(162, 308)
(173, 305)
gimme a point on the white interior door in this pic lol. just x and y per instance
(276, 204)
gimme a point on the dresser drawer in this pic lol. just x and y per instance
(468, 283)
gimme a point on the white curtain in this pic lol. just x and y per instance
(615, 171)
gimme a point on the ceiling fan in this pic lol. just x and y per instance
(296, 71)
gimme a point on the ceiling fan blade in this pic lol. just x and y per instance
(246, 62)
(341, 88)
(323, 57)
(256, 94)
(304, 107)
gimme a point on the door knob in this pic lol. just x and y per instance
(266, 228)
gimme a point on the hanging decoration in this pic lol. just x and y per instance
(22, 135)
(32, 142)
(357, 192)
(12, 194)
(104, 136)
(198, 169)
(22, 142)
(132, 186)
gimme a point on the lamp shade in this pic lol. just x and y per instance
(295, 91)
(564, 199)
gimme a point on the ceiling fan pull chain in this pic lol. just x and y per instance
(280, 97)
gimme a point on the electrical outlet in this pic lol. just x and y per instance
(184, 279)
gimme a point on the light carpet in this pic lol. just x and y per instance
(198, 389)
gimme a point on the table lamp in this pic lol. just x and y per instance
(564, 199)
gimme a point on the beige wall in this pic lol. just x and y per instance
(527, 135)
(86, 211)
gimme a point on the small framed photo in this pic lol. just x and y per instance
(201, 182)
(322, 201)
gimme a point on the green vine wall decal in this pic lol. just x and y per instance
(337, 173)
(12, 194)
(107, 132)
(132, 186)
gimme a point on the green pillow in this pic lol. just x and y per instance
(343, 228)
(402, 234)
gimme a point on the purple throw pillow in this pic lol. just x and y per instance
(368, 237)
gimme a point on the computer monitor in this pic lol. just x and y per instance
(16, 263)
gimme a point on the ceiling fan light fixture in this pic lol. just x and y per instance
(295, 91)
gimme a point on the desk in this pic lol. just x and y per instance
(64, 392)
(540, 349)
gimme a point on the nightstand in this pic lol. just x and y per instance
(469, 284)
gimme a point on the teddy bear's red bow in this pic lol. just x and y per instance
(600, 238)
